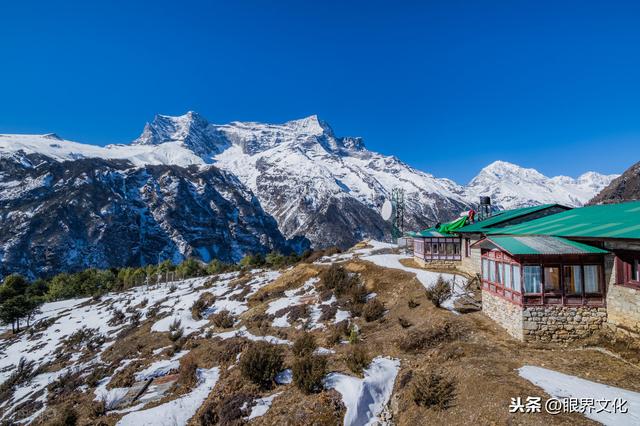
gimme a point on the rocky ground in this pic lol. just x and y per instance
(176, 353)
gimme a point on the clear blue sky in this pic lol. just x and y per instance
(551, 85)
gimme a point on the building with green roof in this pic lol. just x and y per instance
(562, 276)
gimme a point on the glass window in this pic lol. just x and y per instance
(500, 273)
(516, 278)
(442, 249)
(450, 249)
(485, 269)
(552, 278)
(492, 271)
(456, 248)
(532, 279)
(573, 279)
(427, 248)
(435, 248)
(592, 278)
(507, 276)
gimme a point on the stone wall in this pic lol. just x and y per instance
(561, 323)
(623, 303)
(437, 264)
(505, 313)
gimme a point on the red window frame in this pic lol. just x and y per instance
(626, 262)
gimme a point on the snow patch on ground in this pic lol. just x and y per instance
(426, 278)
(179, 411)
(365, 398)
(560, 385)
(261, 406)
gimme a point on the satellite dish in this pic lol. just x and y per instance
(387, 210)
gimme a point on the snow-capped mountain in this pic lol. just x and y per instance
(72, 215)
(511, 186)
(315, 185)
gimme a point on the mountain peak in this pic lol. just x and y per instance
(191, 130)
(311, 124)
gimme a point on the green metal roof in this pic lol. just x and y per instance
(502, 216)
(602, 221)
(444, 230)
(540, 245)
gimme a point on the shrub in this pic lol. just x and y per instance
(430, 337)
(357, 358)
(261, 362)
(297, 312)
(196, 309)
(412, 304)
(308, 372)
(176, 331)
(304, 345)
(328, 312)
(338, 279)
(337, 332)
(439, 292)
(188, 372)
(117, 318)
(354, 338)
(432, 389)
(373, 310)
(223, 319)
(24, 372)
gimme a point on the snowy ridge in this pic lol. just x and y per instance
(312, 182)
(511, 186)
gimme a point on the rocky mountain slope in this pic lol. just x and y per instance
(67, 216)
(316, 185)
(624, 188)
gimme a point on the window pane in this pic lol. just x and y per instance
(427, 248)
(592, 278)
(516, 278)
(456, 248)
(532, 279)
(442, 248)
(492, 271)
(450, 249)
(552, 278)
(485, 269)
(435, 248)
(507, 276)
(500, 276)
(573, 279)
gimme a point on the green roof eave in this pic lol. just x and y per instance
(537, 245)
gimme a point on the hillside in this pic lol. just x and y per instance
(624, 188)
(183, 352)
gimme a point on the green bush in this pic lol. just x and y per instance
(308, 372)
(261, 362)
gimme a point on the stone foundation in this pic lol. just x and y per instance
(437, 264)
(505, 313)
(561, 323)
(543, 323)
